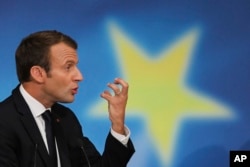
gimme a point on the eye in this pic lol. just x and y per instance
(68, 67)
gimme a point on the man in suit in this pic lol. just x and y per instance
(46, 64)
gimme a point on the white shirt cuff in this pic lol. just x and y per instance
(122, 138)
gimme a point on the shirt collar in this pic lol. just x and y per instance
(35, 106)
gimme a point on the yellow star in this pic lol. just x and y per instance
(157, 89)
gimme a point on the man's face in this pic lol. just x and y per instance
(61, 83)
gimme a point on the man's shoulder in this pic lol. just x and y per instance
(8, 109)
(6, 102)
(10, 99)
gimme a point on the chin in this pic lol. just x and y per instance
(66, 100)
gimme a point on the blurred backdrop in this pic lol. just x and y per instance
(187, 63)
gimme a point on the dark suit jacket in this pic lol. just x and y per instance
(21, 144)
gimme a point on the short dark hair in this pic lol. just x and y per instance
(35, 49)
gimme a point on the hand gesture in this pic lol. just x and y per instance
(117, 104)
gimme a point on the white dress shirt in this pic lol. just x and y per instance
(37, 109)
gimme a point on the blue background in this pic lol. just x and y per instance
(220, 66)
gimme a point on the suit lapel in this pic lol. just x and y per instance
(60, 138)
(34, 133)
(30, 124)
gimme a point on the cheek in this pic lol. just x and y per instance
(59, 88)
(58, 84)
(59, 91)
(61, 85)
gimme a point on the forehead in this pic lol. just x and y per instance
(62, 51)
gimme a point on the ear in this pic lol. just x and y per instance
(37, 74)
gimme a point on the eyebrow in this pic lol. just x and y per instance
(71, 61)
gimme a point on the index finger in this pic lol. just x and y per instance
(123, 83)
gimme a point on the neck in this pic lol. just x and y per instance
(35, 90)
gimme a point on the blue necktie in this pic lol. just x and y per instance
(50, 136)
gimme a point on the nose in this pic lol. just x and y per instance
(78, 76)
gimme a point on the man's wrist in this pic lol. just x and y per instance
(123, 138)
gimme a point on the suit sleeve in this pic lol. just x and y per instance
(115, 154)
